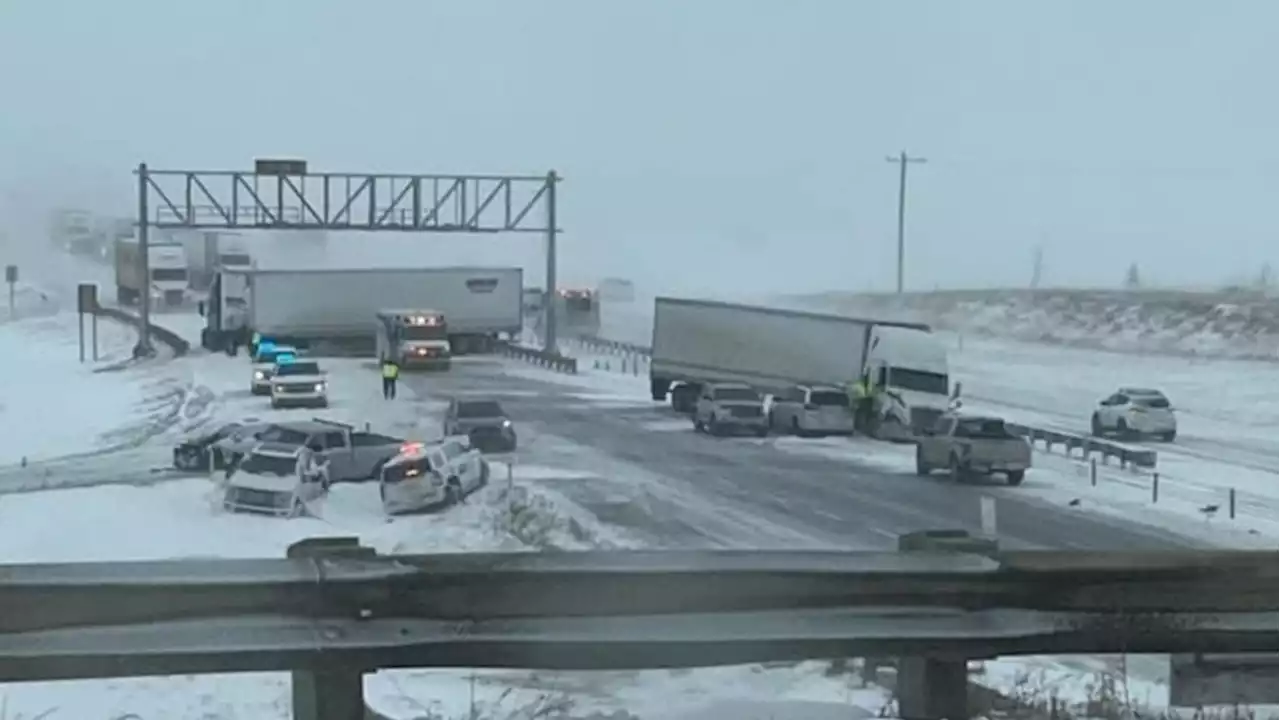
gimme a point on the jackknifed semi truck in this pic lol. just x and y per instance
(698, 342)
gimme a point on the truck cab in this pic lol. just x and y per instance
(908, 366)
(167, 278)
(577, 312)
(167, 263)
(532, 301)
(233, 253)
(414, 338)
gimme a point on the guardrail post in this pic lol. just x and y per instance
(1155, 487)
(1093, 471)
(328, 693)
(1231, 503)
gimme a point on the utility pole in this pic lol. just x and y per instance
(903, 159)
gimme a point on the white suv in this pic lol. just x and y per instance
(811, 410)
(1134, 411)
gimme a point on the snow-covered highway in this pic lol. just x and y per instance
(599, 465)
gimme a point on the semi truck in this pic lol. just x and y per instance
(167, 266)
(697, 342)
(208, 252)
(72, 231)
(337, 308)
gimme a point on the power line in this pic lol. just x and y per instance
(903, 160)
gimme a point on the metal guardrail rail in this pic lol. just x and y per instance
(1126, 455)
(542, 358)
(595, 610)
(333, 611)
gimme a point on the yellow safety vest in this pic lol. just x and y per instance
(390, 371)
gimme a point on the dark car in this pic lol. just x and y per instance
(484, 421)
(195, 454)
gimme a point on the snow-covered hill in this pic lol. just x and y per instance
(1226, 324)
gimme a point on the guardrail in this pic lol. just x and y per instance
(172, 340)
(612, 347)
(542, 358)
(618, 357)
(333, 610)
(1090, 448)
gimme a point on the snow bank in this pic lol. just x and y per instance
(52, 405)
(1238, 324)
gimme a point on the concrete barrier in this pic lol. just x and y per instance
(170, 339)
(550, 360)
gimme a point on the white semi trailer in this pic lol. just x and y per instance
(696, 342)
(338, 307)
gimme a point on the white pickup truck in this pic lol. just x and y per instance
(968, 445)
(353, 455)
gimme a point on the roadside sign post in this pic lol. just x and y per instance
(87, 303)
(11, 279)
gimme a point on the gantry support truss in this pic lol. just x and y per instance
(283, 195)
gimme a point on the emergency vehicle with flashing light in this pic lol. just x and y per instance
(430, 475)
(414, 339)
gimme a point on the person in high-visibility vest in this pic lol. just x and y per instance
(861, 400)
(390, 372)
(253, 344)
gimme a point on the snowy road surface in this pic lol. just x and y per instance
(675, 488)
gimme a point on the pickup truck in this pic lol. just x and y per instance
(353, 455)
(969, 445)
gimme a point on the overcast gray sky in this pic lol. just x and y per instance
(705, 144)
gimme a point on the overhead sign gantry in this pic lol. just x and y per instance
(283, 194)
